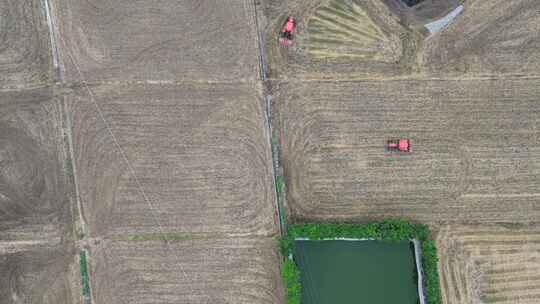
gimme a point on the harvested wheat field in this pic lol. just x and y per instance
(156, 40)
(490, 264)
(475, 154)
(33, 204)
(186, 158)
(490, 37)
(42, 275)
(241, 270)
(340, 37)
(24, 44)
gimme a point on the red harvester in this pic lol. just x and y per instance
(400, 145)
(286, 35)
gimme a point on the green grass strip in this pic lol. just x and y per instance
(388, 230)
(170, 236)
(84, 274)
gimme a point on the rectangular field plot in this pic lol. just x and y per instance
(157, 40)
(25, 55)
(33, 204)
(43, 275)
(490, 264)
(193, 271)
(475, 154)
(190, 158)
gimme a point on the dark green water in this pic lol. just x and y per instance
(357, 272)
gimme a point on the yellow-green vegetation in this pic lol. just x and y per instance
(160, 236)
(344, 29)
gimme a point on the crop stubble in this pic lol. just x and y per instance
(34, 210)
(474, 149)
(199, 153)
(490, 37)
(33, 203)
(24, 46)
(339, 38)
(156, 40)
(490, 263)
(215, 270)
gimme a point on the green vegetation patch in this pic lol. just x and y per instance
(84, 274)
(160, 236)
(389, 230)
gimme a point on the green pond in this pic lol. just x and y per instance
(357, 272)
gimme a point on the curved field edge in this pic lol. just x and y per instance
(393, 230)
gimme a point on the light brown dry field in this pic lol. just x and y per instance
(490, 37)
(490, 263)
(339, 38)
(156, 40)
(193, 158)
(36, 257)
(380, 39)
(25, 58)
(215, 270)
(474, 150)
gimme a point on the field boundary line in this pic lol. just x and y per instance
(45, 5)
(300, 79)
(127, 162)
(267, 96)
(419, 270)
(70, 158)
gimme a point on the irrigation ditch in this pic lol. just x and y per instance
(277, 169)
(79, 226)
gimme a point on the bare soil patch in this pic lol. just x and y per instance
(32, 199)
(196, 159)
(196, 271)
(490, 264)
(490, 37)
(25, 56)
(474, 150)
(157, 40)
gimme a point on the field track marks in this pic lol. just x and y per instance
(175, 40)
(492, 264)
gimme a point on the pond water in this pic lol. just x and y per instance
(356, 272)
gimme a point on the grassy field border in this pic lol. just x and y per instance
(85, 280)
(387, 230)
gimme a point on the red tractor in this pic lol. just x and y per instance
(399, 145)
(286, 35)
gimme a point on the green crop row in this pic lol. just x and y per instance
(84, 274)
(167, 236)
(388, 230)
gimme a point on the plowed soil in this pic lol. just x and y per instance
(157, 40)
(490, 264)
(25, 56)
(193, 158)
(474, 150)
(190, 271)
